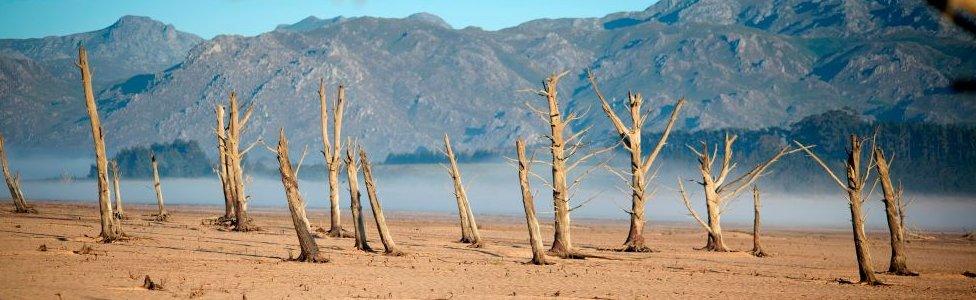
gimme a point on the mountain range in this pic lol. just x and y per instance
(740, 64)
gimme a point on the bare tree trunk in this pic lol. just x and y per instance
(352, 175)
(390, 247)
(718, 190)
(855, 184)
(310, 250)
(331, 151)
(235, 158)
(469, 229)
(639, 166)
(161, 215)
(896, 229)
(562, 244)
(225, 182)
(13, 183)
(116, 183)
(757, 249)
(854, 187)
(111, 228)
(535, 236)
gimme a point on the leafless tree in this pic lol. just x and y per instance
(389, 246)
(13, 183)
(359, 225)
(893, 211)
(111, 227)
(117, 187)
(535, 236)
(856, 177)
(639, 164)
(234, 157)
(757, 249)
(296, 204)
(332, 152)
(564, 152)
(161, 215)
(223, 171)
(718, 190)
(469, 228)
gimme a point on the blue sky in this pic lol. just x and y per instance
(207, 18)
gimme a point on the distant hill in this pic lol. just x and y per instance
(176, 159)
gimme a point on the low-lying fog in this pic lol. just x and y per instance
(493, 189)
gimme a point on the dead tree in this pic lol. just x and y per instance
(893, 210)
(296, 204)
(359, 225)
(13, 183)
(718, 191)
(469, 228)
(639, 165)
(854, 189)
(116, 184)
(331, 150)
(535, 237)
(222, 170)
(234, 158)
(563, 150)
(389, 247)
(757, 249)
(161, 214)
(111, 227)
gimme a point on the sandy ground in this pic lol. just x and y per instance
(192, 260)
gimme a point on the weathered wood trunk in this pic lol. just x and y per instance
(715, 241)
(161, 215)
(111, 228)
(235, 158)
(310, 250)
(639, 165)
(331, 152)
(359, 225)
(13, 183)
(116, 184)
(757, 249)
(855, 185)
(469, 228)
(222, 171)
(389, 246)
(562, 243)
(535, 236)
(896, 229)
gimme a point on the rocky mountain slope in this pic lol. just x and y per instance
(743, 63)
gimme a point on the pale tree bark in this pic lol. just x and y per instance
(117, 186)
(535, 236)
(331, 151)
(854, 189)
(718, 190)
(222, 171)
(562, 244)
(111, 227)
(639, 164)
(893, 209)
(389, 246)
(469, 228)
(161, 215)
(13, 183)
(359, 225)
(296, 204)
(235, 157)
(757, 249)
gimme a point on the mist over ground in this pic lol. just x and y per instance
(493, 189)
